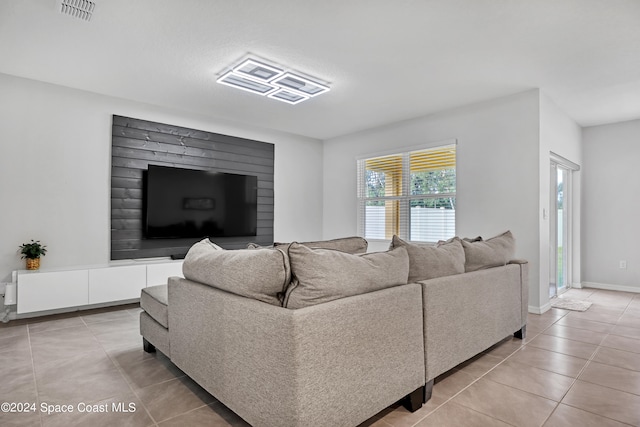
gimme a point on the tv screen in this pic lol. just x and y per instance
(182, 203)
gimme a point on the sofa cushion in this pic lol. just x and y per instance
(494, 252)
(323, 275)
(153, 300)
(258, 274)
(427, 261)
(352, 245)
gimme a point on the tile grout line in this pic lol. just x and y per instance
(482, 376)
(595, 351)
(591, 358)
(87, 325)
(35, 380)
(33, 362)
(475, 381)
(209, 404)
(121, 372)
(116, 365)
(593, 354)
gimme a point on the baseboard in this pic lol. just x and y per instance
(609, 287)
(539, 310)
(81, 308)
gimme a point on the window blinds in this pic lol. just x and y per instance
(410, 194)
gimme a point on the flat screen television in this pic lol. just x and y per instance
(186, 203)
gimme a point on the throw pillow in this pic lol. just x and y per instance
(352, 245)
(252, 245)
(428, 261)
(472, 239)
(213, 245)
(466, 239)
(494, 252)
(258, 274)
(323, 275)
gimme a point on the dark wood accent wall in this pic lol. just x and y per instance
(136, 144)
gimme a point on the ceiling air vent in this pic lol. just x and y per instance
(81, 9)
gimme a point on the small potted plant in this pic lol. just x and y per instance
(32, 252)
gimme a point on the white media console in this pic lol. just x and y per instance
(119, 282)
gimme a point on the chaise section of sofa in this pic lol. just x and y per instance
(154, 320)
(333, 364)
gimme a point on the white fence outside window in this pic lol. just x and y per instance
(427, 224)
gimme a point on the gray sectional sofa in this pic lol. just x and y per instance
(324, 334)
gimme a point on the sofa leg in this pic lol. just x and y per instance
(522, 333)
(147, 346)
(414, 400)
(428, 389)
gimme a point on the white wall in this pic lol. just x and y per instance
(55, 165)
(497, 170)
(561, 135)
(611, 206)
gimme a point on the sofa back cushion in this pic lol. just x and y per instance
(352, 245)
(493, 252)
(258, 274)
(323, 275)
(427, 261)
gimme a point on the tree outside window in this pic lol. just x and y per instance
(411, 194)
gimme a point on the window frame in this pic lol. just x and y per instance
(404, 227)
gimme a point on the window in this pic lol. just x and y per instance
(411, 194)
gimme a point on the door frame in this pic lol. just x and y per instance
(559, 162)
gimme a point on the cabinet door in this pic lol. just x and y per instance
(39, 291)
(116, 283)
(158, 274)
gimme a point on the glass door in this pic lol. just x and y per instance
(560, 227)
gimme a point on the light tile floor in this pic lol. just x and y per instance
(573, 369)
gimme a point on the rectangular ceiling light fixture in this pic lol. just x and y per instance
(257, 70)
(300, 84)
(287, 96)
(275, 82)
(244, 83)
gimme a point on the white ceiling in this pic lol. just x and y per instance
(386, 60)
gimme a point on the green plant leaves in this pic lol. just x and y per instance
(33, 250)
